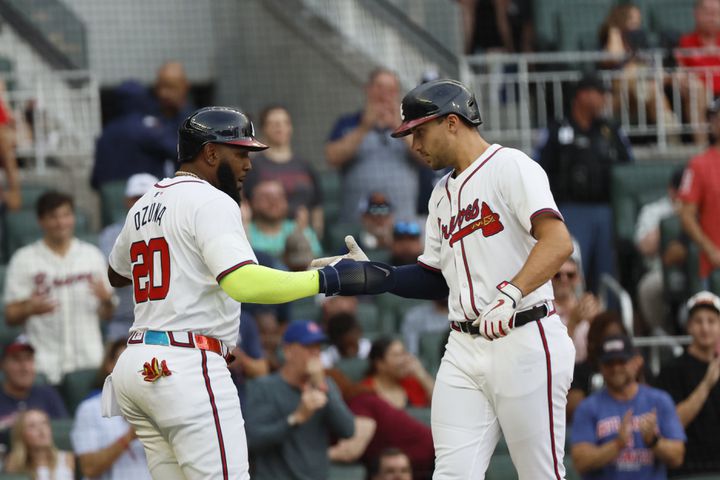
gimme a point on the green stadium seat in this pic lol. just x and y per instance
(501, 468)
(368, 317)
(672, 16)
(14, 476)
(431, 348)
(579, 23)
(30, 194)
(353, 368)
(332, 198)
(76, 386)
(393, 310)
(419, 414)
(112, 201)
(546, 13)
(501, 448)
(61, 433)
(22, 228)
(339, 471)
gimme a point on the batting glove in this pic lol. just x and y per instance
(354, 253)
(348, 277)
(498, 318)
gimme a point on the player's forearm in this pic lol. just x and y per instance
(587, 457)
(688, 409)
(258, 284)
(670, 452)
(554, 246)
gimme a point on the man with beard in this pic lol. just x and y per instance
(184, 250)
(626, 430)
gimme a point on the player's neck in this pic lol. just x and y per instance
(469, 150)
(191, 170)
(60, 247)
(626, 393)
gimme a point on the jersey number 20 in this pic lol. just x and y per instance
(151, 269)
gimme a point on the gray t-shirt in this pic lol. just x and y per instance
(282, 451)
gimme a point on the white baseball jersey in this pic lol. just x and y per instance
(179, 240)
(479, 226)
(68, 338)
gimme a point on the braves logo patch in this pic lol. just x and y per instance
(154, 370)
(489, 224)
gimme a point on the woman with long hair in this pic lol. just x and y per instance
(33, 452)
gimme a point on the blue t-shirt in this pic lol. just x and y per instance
(598, 419)
(42, 397)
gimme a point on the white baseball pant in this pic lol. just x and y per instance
(516, 385)
(190, 422)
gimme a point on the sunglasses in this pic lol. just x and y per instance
(569, 275)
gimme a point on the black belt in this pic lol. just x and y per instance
(521, 318)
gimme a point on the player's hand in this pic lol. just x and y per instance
(354, 253)
(713, 373)
(625, 430)
(348, 277)
(311, 401)
(648, 427)
(40, 304)
(498, 317)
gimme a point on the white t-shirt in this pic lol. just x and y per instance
(179, 240)
(478, 231)
(69, 338)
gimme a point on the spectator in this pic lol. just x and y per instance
(430, 317)
(271, 329)
(376, 223)
(647, 240)
(392, 464)
(626, 430)
(346, 340)
(368, 159)
(107, 448)
(586, 378)
(692, 381)
(19, 392)
(292, 413)
(407, 244)
(57, 288)
(249, 362)
(134, 142)
(622, 34)
(171, 93)
(578, 154)
(497, 25)
(398, 376)
(575, 307)
(119, 325)
(270, 227)
(10, 197)
(706, 35)
(33, 451)
(700, 201)
(298, 252)
(280, 163)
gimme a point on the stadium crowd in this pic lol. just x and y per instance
(312, 372)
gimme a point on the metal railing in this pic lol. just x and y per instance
(57, 115)
(520, 94)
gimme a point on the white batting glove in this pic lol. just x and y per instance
(498, 318)
(354, 253)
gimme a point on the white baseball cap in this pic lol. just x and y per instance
(703, 299)
(139, 184)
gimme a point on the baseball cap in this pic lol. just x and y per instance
(591, 82)
(377, 204)
(20, 344)
(406, 229)
(304, 332)
(139, 184)
(616, 347)
(703, 299)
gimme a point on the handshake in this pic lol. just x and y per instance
(353, 273)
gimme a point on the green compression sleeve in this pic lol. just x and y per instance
(258, 284)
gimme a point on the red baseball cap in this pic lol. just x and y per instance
(20, 344)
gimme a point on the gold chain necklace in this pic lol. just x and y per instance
(181, 173)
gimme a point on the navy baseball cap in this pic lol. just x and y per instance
(616, 347)
(304, 332)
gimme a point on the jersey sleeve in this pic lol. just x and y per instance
(430, 257)
(524, 186)
(691, 185)
(221, 237)
(18, 285)
(119, 258)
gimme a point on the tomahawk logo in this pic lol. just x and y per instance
(489, 223)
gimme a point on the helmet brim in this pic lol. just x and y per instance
(250, 144)
(406, 127)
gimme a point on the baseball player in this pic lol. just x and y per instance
(184, 251)
(494, 238)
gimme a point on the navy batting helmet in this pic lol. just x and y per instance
(435, 99)
(216, 125)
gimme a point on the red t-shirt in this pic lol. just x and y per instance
(4, 114)
(701, 186)
(692, 40)
(395, 428)
(416, 395)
